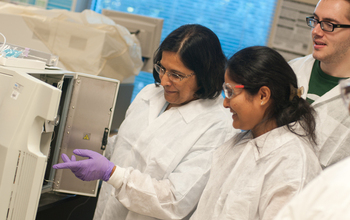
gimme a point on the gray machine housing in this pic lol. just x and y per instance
(86, 113)
(84, 119)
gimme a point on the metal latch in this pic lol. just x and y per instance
(105, 139)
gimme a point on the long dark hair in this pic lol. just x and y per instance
(260, 66)
(200, 51)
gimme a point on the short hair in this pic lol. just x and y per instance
(259, 66)
(200, 51)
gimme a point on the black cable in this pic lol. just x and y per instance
(77, 207)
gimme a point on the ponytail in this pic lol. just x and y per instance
(298, 110)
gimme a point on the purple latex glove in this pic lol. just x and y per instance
(94, 168)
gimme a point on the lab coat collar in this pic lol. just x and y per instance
(188, 111)
(154, 95)
(194, 108)
(306, 65)
(270, 141)
(330, 95)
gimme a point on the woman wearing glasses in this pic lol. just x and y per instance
(164, 147)
(257, 171)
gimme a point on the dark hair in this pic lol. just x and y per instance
(260, 66)
(200, 51)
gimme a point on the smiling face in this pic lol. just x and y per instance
(332, 47)
(177, 93)
(247, 111)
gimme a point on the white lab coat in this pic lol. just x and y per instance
(327, 197)
(252, 179)
(332, 122)
(164, 161)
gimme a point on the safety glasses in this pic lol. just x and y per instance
(173, 76)
(231, 90)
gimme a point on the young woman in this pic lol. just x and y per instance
(256, 172)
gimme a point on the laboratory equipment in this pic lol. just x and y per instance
(148, 31)
(82, 117)
(88, 108)
(86, 112)
(28, 108)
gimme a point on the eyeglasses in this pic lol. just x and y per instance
(345, 91)
(325, 25)
(230, 90)
(173, 76)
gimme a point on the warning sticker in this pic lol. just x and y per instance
(87, 136)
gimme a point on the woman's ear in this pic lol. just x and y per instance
(264, 94)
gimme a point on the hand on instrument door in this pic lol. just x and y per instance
(94, 168)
